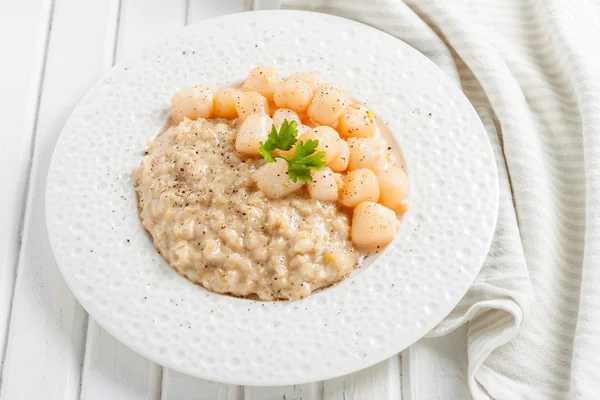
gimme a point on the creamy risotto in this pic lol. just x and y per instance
(269, 191)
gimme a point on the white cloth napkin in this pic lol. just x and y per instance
(532, 71)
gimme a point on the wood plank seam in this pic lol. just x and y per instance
(84, 357)
(161, 376)
(187, 13)
(26, 192)
(116, 32)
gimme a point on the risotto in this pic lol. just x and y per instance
(276, 226)
(199, 202)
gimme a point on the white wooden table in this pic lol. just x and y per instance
(53, 51)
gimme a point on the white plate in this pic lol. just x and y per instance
(116, 274)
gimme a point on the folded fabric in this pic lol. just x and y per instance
(532, 71)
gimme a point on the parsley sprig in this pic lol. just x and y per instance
(304, 159)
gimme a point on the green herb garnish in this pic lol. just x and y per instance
(304, 158)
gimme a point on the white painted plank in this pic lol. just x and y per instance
(111, 370)
(177, 386)
(311, 391)
(437, 368)
(144, 22)
(201, 10)
(381, 381)
(46, 335)
(20, 81)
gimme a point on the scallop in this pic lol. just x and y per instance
(283, 114)
(193, 103)
(357, 121)
(367, 153)
(340, 162)
(254, 129)
(249, 103)
(293, 94)
(330, 143)
(263, 80)
(328, 104)
(373, 225)
(358, 186)
(312, 79)
(225, 103)
(323, 186)
(393, 184)
(272, 179)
